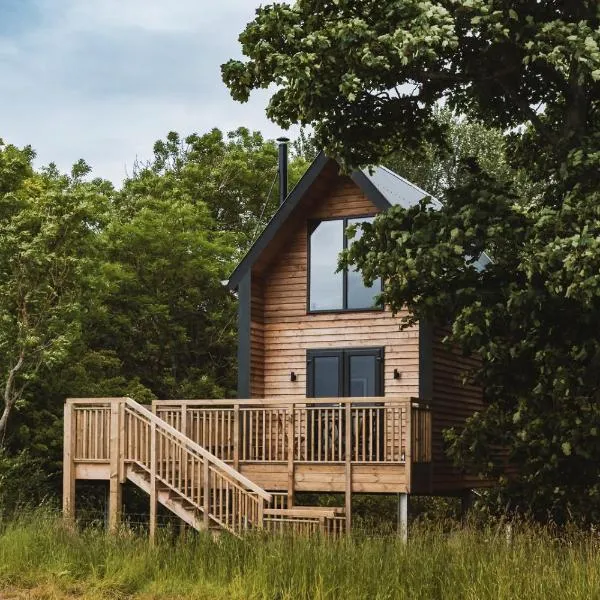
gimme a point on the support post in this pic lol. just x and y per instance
(348, 470)
(236, 437)
(467, 498)
(153, 491)
(261, 513)
(206, 485)
(184, 418)
(68, 464)
(291, 428)
(403, 517)
(115, 487)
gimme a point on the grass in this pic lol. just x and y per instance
(40, 558)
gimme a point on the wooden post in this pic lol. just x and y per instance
(115, 487)
(403, 517)
(291, 474)
(183, 418)
(153, 499)
(261, 512)
(348, 473)
(409, 447)
(68, 464)
(122, 474)
(206, 485)
(236, 437)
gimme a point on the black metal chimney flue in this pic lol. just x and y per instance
(283, 168)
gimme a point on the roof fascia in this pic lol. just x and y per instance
(283, 212)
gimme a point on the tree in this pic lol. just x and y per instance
(233, 174)
(48, 224)
(368, 76)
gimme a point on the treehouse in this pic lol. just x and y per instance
(333, 395)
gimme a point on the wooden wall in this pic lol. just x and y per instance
(453, 402)
(288, 331)
(257, 353)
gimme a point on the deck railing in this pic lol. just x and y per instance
(324, 430)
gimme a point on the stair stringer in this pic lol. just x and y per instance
(165, 497)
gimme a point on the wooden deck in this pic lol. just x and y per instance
(237, 464)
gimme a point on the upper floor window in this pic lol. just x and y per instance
(329, 290)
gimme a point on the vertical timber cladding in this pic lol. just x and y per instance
(453, 402)
(288, 331)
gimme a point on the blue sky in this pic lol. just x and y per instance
(103, 79)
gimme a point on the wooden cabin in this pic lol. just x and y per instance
(333, 395)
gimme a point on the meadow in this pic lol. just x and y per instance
(42, 558)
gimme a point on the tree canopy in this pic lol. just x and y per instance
(369, 77)
(110, 292)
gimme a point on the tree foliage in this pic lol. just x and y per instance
(110, 292)
(368, 77)
(48, 225)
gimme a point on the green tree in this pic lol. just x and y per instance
(234, 175)
(368, 76)
(48, 225)
(165, 315)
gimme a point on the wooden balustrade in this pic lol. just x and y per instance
(306, 520)
(222, 494)
(261, 428)
(93, 426)
(192, 452)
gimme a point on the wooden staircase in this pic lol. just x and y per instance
(197, 486)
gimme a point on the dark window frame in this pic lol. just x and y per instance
(343, 355)
(311, 226)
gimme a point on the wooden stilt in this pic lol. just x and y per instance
(466, 503)
(348, 469)
(403, 516)
(68, 465)
(115, 486)
(153, 498)
(290, 451)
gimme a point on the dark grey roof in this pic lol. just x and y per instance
(397, 190)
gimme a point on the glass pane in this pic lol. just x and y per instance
(326, 286)
(326, 378)
(359, 295)
(363, 375)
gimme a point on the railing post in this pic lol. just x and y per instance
(291, 463)
(153, 490)
(68, 463)
(183, 419)
(115, 487)
(122, 473)
(348, 470)
(409, 449)
(206, 485)
(261, 512)
(236, 437)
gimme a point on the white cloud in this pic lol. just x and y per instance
(148, 15)
(103, 79)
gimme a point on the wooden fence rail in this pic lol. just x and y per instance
(259, 431)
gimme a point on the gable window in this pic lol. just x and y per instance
(329, 290)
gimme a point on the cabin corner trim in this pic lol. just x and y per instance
(244, 335)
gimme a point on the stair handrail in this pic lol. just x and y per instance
(215, 461)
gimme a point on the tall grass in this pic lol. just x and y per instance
(40, 556)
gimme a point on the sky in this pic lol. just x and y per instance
(104, 79)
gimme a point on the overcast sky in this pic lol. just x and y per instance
(103, 79)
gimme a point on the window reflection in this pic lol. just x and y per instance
(326, 286)
(329, 290)
(359, 295)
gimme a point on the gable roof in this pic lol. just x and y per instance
(382, 187)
